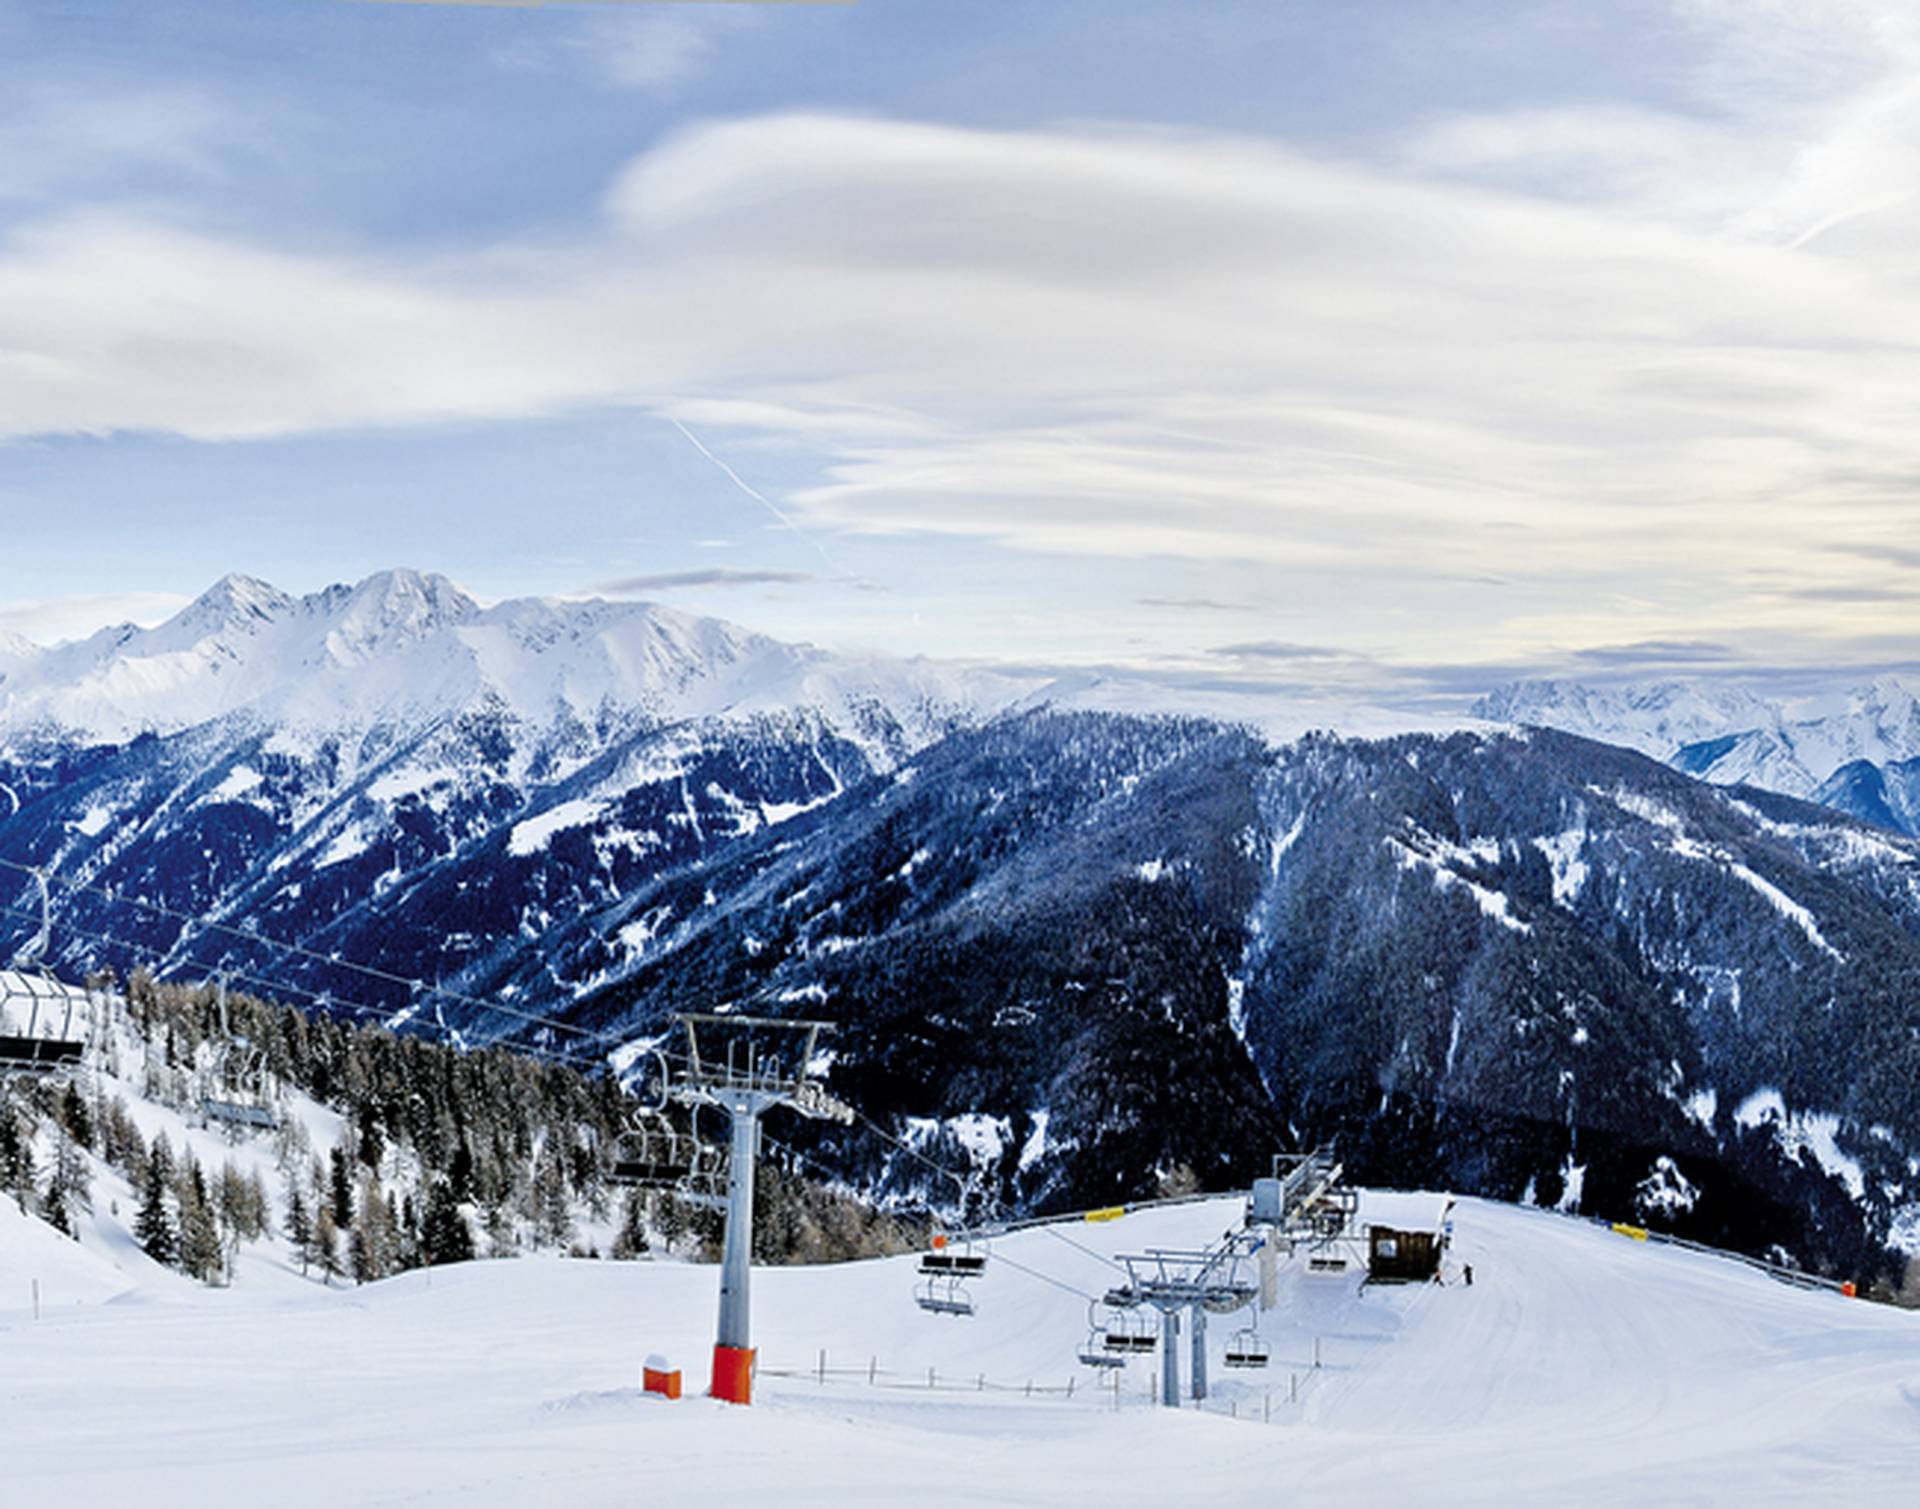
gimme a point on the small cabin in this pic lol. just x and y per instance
(1401, 1257)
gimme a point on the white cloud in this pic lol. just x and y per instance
(1594, 353)
(47, 621)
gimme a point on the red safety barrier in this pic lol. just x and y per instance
(658, 1376)
(1850, 1289)
(733, 1374)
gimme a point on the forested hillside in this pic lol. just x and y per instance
(376, 1153)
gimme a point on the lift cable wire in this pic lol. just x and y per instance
(328, 1000)
(275, 988)
(993, 1200)
(251, 935)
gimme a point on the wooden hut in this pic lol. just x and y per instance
(1401, 1257)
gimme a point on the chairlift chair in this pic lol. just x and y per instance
(1128, 1332)
(1247, 1348)
(242, 1063)
(707, 1180)
(944, 1296)
(32, 1001)
(649, 1155)
(963, 1261)
(37, 1030)
(1094, 1352)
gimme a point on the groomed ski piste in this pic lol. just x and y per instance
(1578, 1368)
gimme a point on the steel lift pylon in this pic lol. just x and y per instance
(746, 1066)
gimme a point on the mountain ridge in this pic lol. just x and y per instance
(1731, 735)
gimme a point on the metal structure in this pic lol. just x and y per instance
(746, 1066)
(1247, 1349)
(649, 1154)
(1203, 1282)
(946, 1296)
(1097, 1351)
(1305, 1206)
(1128, 1333)
(707, 1178)
(241, 1070)
(39, 1034)
(961, 1261)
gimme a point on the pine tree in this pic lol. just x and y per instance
(76, 1117)
(445, 1236)
(372, 1239)
(340, 1198)
(153, 1224)
(552, 1210)
(69, 1191)
(299, 1226)
(631, 1240)
(16, 1158)
(326, 1243)
(202, 1253)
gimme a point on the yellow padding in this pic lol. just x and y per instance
(1638, 1233)
(1107, 1213)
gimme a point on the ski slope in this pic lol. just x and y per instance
(1579, 1367)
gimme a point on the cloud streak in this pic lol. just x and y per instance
(714, 576)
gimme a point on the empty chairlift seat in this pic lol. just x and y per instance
(647, 1157)
(242, 1115)
(944, 1297)
(1128, 1333)
(43, 1024)
(1247, 1349)
(947, 1259)
(1094, 1352)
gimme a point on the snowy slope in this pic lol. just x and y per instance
(1579, 1368)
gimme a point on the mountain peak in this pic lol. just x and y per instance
(17, 647)
(389, 609)
(236, 601)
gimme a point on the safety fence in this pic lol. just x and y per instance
(1798, 1278)
(1113, 1390)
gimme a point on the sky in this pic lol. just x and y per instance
(1400, 349)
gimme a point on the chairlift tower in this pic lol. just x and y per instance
(1201, 1282)
(746, 1066)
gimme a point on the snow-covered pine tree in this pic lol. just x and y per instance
(16, 1158)
(153, 1224)
(202, 1253)
(372, 1242)
(69, 1191)
(340, 1188)
(631, 1239)
(326, 1243)
(445, 1236)
(299, 1224)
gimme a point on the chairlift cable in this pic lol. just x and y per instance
(251, 935)
(277, 988)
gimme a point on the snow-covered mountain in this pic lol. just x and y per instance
(407, 648)
(1836, 750)
(1086, 950)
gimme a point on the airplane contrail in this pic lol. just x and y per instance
(753, 492)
